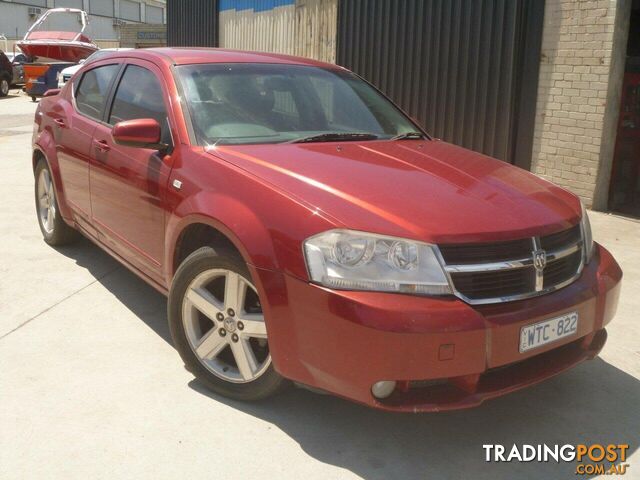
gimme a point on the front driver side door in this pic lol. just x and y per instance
(128, 184)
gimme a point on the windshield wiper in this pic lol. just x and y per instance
(409, 135)
(335, 137)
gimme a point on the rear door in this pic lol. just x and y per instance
(128, 184)
(74, 122)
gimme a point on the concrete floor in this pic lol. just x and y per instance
(90, 386)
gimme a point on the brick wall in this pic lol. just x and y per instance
(575, 64)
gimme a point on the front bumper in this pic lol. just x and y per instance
(444, 353)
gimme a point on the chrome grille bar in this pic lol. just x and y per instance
(481, 276)
(539, 271)
(511, 264)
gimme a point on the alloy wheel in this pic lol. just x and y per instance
(224, 325)
(46, 201)
(4, 87)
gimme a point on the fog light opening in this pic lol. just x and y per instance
(383, 388)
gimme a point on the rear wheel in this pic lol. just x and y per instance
(218, 326)
(53, 227)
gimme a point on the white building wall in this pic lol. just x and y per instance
(34, 3)
(130, 10)
(105, 8)
(68, 4)
(154, 14)
(15, 19)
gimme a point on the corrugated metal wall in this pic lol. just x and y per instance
(259, 25)
(465, 69)
(316, 29)
(192, 23)
(296, 27)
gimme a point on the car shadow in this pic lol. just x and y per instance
(10, 95)
(140, 298)
(592, 403)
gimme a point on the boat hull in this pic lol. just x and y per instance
(55, 50)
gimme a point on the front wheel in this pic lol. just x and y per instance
(218, 326)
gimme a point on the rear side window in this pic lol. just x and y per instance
(139, 95)
(92, 92)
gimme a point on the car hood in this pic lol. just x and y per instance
(428, 190)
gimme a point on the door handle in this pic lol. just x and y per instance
(101, 145)
(59, 122)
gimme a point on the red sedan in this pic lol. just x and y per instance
(305, 229)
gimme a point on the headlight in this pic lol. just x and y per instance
(350, 260)
(586, 235)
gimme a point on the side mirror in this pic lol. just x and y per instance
(51, 92)
(141, 133)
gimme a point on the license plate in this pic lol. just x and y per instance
(541, 333)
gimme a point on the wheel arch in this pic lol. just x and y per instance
(198, 234)
(214, 219)
(44, 147)
(39, 153)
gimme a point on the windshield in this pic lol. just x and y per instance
(270, 103)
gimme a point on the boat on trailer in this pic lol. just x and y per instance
(55, 44)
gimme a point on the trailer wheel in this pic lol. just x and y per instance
(33, 98)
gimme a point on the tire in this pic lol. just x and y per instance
(226, 348)
(53, 227)
(4, 87)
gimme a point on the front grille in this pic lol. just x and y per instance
(561, 239)
(495, 284)
(488, 252)
(502, 271)
(561, 270)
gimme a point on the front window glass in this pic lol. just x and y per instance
(139, 95)
(91, 94)
(270, 103)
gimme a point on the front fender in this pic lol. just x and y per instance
(227, 215)
(267, 227)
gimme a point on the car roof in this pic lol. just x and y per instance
(200, 55)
